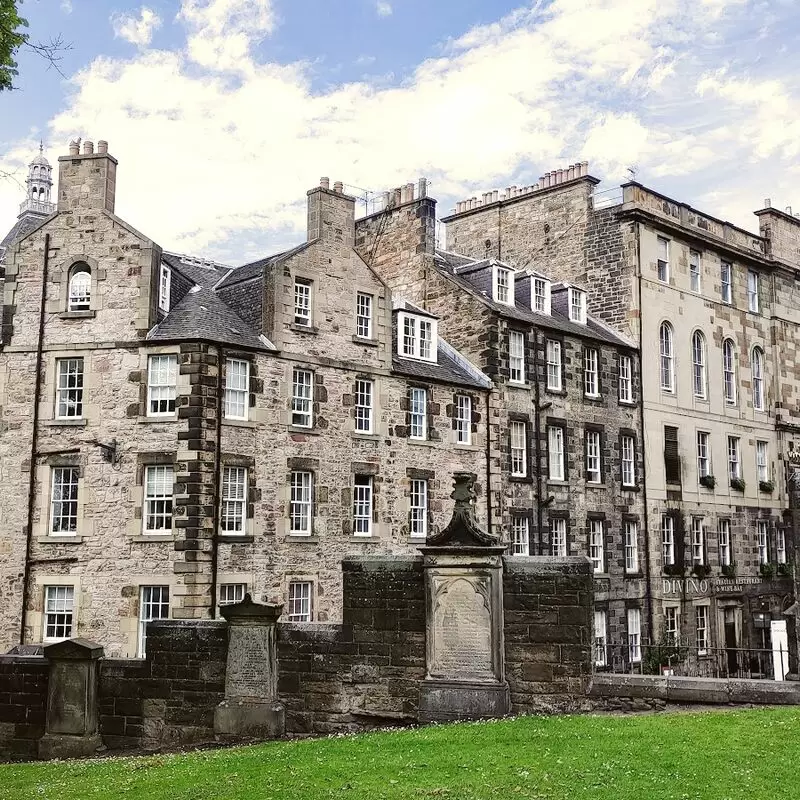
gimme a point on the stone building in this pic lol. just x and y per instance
(174, 432)
(713, 311)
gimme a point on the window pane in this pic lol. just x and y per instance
(300, 601)
(158, 499)
(516, 356)
(463, 419)
(230, 593)
(555, 441)
(302, 303)
(69, 388)
(520, 536)
(631, 546)
(597, 545)
(363, 405)
(590, 363)
(80, 288)
(300, 503)
(302, 397)
(558, 537)
(234, 499)
(419, 413)
(161, 384)
(362, 505)
(418, 516)
(58, 611)
(64, 501)
(364, 315)
(236, 388)
(153, 604)
(519, 449)
(554, 365)
(667, 367)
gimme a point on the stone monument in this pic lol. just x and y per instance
(465, 658)
(71, 726)
(251, 707)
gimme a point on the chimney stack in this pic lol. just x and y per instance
(87, 181)
(325, 183)
(88, 148)
(75, 147)
(331, 214)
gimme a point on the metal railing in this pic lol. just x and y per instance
(37, 207)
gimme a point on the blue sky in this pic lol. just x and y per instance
(223, 112)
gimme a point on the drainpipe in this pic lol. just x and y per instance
(488, 464)
(217, 483)
(37, 392)
(538, 435)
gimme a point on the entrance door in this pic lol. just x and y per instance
(731, 642)
(780, 649)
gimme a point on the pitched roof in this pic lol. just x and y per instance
(256, 268)
(22, 227)
(198, 270)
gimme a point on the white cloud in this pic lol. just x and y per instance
(66, 6)
(383, 8)
(137, 30)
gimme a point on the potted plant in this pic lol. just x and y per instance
(738, 484)
(767, 570)
(785, 569)
(676, 570)
(709, 481)
(700, 571)
(766, 486)
(729, 570)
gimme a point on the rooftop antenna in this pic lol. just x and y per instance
(633, 171)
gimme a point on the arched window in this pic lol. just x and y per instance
(80, 287)
(667, 359)
(729, 371)
(758, 378)
(699, 381)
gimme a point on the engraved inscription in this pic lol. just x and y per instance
(248, 667)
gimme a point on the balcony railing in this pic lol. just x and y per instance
(37, 207)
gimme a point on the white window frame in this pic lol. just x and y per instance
(233, 501)
(726, 282)
(516, 357)
(518, 438)
(625, 379)
(729, 372)
(363, 505)
(162, 384)
(594, 463)
(154, 603)
(418, 414)
(417, 337)
(698, 541)
(164, 287)
(64, 511)
(364, 304)
(540, 295)
(597, 545)
(520, 535)
(762, 540)
(79, 294)
(667, 540)
(503, 285)
(555, 452)
(666, 344)
(558, 537)
(734, 457)
(699, 370)
(70, 380)
(701, 630)
(724, 542)
(418, 508)
(762, 460)
(695, 277)
(463, 419)
(752, 292)
(237, 389)
(628, 460)
(158, 484)
(58, 619)
(576, 305)
(780, 545)
(554, 366)
(301, 503)
(300, 603)
(634, 620)
(302, 398)
(303, 302)
(662, 262)
(631, 533)
(364, 405)
(671, 625)
(600, 648)
(591, 372)
(231, 593)
(758, 378)
(703, 454)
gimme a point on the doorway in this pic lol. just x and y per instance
(731, 642)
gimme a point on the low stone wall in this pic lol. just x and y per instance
(23, 701)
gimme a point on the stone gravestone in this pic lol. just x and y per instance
(251, 707)
(71, 727)
(465, 669)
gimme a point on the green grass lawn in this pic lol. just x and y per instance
(714, 756)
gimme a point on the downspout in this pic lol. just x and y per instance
(538, 435)
(499, 234)
(37, 392)
(488, 464)
(217, 482)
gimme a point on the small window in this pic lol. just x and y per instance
(701, 629)
(752, 291)
(600, 639)
(69, 388)
(631, 546)
(558, 537)
(237, 381)
(554, 365)
(726, 282)
(671, 625)
(780, 549)
(663, 259)
(597, 549)
(593, 470)
(703, 455)
(555, 452)
(301, 504)
(230, 593)
(628, 460)
(418, 339)
(153, 605)
(364, 391)
(302, 302)
(64, 501)
(516, 357)
(734, 458)
(699, 377)
(634, 635)
(540, 295)
(503, 285)
(234, 500)
(418, 508)
(625, 379)
(302, 398)
(300, 595)
(762, 528)
(80, 288)
(418, 405)
(694, 271)
(729, 372)
(577, 305)
(724, 536)
(667, 540)
(667, 358)
(362, 505)
(758, 379)
(364, 315)
(519, 449)
(698, 542)
(520, 535)
(591, 384)
(59, 607)
(463, 419)
(164, 288)
(158, 499)
(762, 461)
(161, 385)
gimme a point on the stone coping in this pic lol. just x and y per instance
(548, 565)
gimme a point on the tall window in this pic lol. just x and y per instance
(628, 460)
(302, 398)
(758, 379)
(631, 528)
(701, 629)
(734, 458)
(300, 503)
(780, 549)
(164, 287)
(672, 458)
(726, 281)
(59, 606)
(418, 508)
(600, 638)
(729, 372)
(463, 419)
(554, 365)
(724, 536)
(671, 625)
(362, 505)
(577, 305)
(762, 528)
(694, 271)
(597, 550)
(541, 295)
(520, 535)
(237, 377)
(516, 356)
(417, 339)
(80, 288)
(153, 605)
(158, 498)
(162, 378)
(762, 461)
(234, 500)
(64, 501)
(698, 541)
(634, 635)
(302, 302)
(300, 593)
(363, 405)
(230, 593)
(519, 449)
(703, 459)
(668, 540)
(555, 451)
(625, 379)
(558, 537)
(667, 357)
(663, 259)
(593, 472)
(591, 384)
(503, 286)
(364, 315)
(752, 291)
(69, 388)
(699, 378)
(418, 404)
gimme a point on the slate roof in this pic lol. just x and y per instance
(478, 282)
(256, 268)
(22, 227)
(200, 271)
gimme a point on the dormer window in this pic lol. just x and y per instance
(540, 295)
(164, 287)
(416, 337)
(503, 285)
(577, 305)
(80, 288)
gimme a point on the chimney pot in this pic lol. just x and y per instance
(559, 176)
(102, 146)
(325, 183)
(584, 168)
(789, 210)
(495, 196)
(571, 173)
(338, 187)
(75, 147)
(423, 188)
(88, 148)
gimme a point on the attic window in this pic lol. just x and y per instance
(577, 305)
(416, 337)
(164, 286)
(503, 285)
(540, 295)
